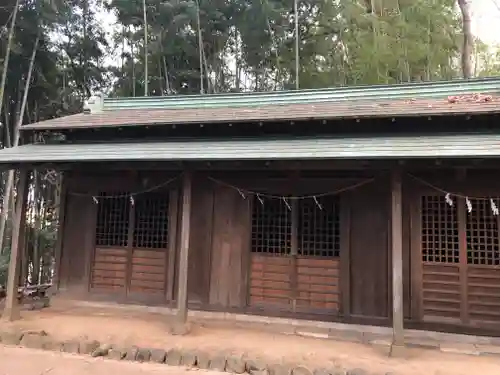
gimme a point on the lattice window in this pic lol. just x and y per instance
(112, 220)
(319, 227)
(482, 234)
(440, 240)
(151, 221)
(271, 227)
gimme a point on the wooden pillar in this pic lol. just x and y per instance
(294, 279)
(12, 309)
(397, 260)
(182, 293)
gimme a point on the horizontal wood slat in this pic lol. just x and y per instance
(441, 292)
(483, 294)
(270, 280)
(317, 280)
(132, 238)
(318, 283)
(109, 269)
(148, 271)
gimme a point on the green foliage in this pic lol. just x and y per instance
(342, 42)
(55, 88)
(487, 60)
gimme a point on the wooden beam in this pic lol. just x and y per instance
(345, 256)
(397, 260)
(12, 309)
(172, 242)
(294, 278)
(182, 293)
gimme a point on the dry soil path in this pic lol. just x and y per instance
(15, 361)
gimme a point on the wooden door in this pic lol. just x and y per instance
(132, 245)
(460, 254)
(148, 263)
(111, 256)
(295, 249)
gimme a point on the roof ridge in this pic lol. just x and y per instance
(351, 93)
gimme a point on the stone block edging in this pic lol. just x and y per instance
(224, 362)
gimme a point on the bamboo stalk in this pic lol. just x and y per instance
(19, 121)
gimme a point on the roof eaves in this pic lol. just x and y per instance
(381, 147)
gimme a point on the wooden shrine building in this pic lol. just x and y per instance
(366, 205)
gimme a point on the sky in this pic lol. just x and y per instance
(486, 20)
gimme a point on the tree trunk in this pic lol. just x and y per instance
(5, 128)
(85, 47)
(237, 78)
(209, 80)
(37, 213)
(123, 51)
(160, 80)
(468, 45)
(163, 62)
(7, 55)
(297, 43)
(200, 46)
(58, 213)
(19, 120)
(167, 82)
(133, 65)
(146, 75)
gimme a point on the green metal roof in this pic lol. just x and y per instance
(438, 89)
(416, 99)
(380, 147)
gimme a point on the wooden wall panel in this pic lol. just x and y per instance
(141, 272)
(77, 242)
(369, 250)
(270, 281)
(455, 263)
(483, 295)
(441, 295)
(230, 248)
(201, 240)
(148, 271)
(318, 284)
(109, 269)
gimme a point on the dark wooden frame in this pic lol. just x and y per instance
(343, 258)
(91, 185)
(88, 183)
(417, 190)
(411, 192)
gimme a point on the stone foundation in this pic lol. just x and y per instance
(217, 361)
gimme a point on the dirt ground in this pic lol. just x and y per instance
(35, 362)
(151, 331)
